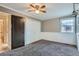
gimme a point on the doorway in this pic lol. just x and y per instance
(17, 30)
(4, 32)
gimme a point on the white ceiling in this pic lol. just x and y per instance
(53, 10)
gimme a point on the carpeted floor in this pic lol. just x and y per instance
(44, 48)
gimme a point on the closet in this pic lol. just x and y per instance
(17, 31)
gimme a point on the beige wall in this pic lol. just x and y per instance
(51, 31)
(51, 26)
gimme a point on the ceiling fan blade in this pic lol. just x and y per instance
(75, 12)
(43, 11)
(32, 5)
(43, 6)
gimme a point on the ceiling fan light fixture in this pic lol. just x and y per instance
(37, 11)
(37, 8)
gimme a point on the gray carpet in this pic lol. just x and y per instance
(43, 48)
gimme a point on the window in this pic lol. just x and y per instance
(67, 25)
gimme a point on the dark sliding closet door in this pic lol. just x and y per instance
(17, 32)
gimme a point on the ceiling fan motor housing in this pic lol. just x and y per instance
(75, 13)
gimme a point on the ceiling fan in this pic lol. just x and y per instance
(37, 8)
(75, 12)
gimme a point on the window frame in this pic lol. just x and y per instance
(67, 19)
